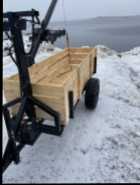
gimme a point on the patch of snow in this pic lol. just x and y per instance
(100, 146)
(104, 51)
(134, 51)
(122, 78)
(9, 68)
(44, 52)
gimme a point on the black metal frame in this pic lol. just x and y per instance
(24, 128)
(14, 127)
(95, 65)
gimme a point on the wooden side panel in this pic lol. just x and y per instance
(48, 90)
(83, 67)
(47, 71)
(61, 104)
(53, 95)
(85, 73)
(49, 62)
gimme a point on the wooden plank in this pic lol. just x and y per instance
(77, 57)
(75, 61)
(47, 70)
(81, 50)
(62, 77)
(53, 72)
(50, 61)
(48, 89)
(83, 72)
(57, 103)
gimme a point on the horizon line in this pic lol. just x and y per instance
(84, 19)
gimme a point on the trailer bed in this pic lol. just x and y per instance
(54, 78)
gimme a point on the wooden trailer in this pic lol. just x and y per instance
(55, 79)
(50, 89)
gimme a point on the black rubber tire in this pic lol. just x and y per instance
(92, 91)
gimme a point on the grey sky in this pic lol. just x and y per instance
(78, 9)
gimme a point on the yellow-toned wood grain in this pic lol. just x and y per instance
(53, 78)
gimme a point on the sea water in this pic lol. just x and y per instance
(119, 33)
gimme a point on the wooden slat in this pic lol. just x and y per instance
(81, 50)
(53, 72)
(48, 89)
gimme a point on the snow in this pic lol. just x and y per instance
(97, 146)
(43, 53)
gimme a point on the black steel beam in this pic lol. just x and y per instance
(30, 13)
(71, 104)
(44, 25)
(18, 127)
(8, 157)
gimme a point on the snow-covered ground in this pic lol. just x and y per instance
(97, 146)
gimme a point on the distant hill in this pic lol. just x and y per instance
(100, 19)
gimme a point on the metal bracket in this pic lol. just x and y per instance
(15, 128)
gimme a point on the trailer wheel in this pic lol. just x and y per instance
(92, 90)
